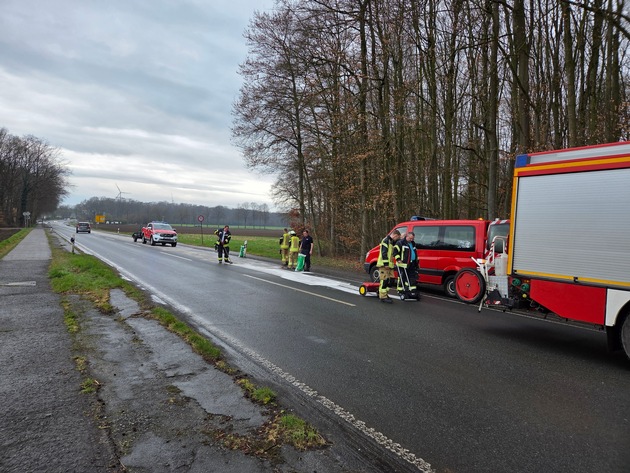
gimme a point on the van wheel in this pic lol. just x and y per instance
(624, 334)
(449, 286)
(152, 241)
(469, 285)
(375, 274)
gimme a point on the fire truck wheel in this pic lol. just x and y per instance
(469, 285)
(625, 336)
(375, 274)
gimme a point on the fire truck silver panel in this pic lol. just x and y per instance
(574, 225)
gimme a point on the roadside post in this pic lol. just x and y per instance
(200, 218)
(72, 242)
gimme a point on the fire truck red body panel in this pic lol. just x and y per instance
(576, 302)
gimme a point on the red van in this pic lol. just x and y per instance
(444, 247)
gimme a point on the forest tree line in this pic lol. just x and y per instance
(33, 180)
(370, 111)
(129, 211)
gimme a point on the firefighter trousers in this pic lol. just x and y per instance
(386, 274)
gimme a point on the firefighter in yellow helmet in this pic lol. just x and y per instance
(294, 247)
(385, 265)
(285, 242)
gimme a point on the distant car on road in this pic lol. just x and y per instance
(84, 227)
(159, 232)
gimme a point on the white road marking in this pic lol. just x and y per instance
(175, 256)
(22, 283)
(300, 290)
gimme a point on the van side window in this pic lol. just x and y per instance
(445, 237)
(459, 238)
(427, 238)
(499, 229)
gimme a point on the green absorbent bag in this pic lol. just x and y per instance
(300, 262)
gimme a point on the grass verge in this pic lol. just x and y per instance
(8, 244)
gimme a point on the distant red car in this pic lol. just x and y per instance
(443, 248)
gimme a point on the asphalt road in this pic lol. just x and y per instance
(458, 390)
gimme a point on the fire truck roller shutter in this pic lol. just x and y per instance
(574, 225)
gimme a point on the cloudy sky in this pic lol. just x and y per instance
(136, 94)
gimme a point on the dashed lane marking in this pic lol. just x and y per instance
(175, 256)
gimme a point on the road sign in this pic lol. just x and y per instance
(200, 218)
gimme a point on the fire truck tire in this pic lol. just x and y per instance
(624, 334)
(469, 285)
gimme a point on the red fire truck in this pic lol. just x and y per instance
(569, 241)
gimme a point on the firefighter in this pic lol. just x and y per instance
(294, 247)
(385, 265)
(407, 264)
(224, 245)
(284, 247)
(216, 243)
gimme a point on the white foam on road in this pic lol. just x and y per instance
(309, 279)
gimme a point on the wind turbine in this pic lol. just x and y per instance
(119, 198)
(120, 193)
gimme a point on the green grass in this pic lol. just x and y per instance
(208, 228)
(6, 246)
(299, 433)
(256, 245)
(72, 273)
(199, 344)
(89, 386)
(268, 248)
(262, 395)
